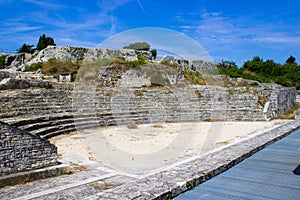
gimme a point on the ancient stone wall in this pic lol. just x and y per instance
(122, 105)
(281, 100)
(164, 103)
(21, 151)
(298, 96)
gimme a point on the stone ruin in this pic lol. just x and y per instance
(46, 108)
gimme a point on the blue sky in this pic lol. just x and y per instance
(234, 30)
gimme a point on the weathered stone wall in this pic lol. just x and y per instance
(281, 101)
(21, 151)
(153, 104)
(145, 105)
(298, 96)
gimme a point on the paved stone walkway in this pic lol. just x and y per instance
(99, 182)
(268, 174)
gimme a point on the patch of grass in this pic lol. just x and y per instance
(90, 69)
(138, 93)
(33, 67)
(132, 126)
(194, 77)
(198, 94)
(130, 64)
(207, 120)
(291, 113)
(169, 64)
(55, 67)
(158, 126)
(223, 142)
(79, 167)
(102, 185)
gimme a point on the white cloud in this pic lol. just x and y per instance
(213, 27)
(45, 4)
(108, 6)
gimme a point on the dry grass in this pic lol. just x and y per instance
(138, 93)
(102, 185)
(158, 126)
(194, 77)
(198, 94)
(291, 113)
(78, 167)
(223, 142)
(132, 126)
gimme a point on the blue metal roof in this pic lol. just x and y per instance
(268, 174)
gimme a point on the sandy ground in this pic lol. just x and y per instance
(140, 147)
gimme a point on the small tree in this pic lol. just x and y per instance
(26, 49)
(291, 60)
(143, 46)
(44, 42)
(154, 53)
(2, 61)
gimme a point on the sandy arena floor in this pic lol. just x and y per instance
(139, 147)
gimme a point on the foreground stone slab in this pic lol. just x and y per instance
(33, 175)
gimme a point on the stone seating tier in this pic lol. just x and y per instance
(48, 112)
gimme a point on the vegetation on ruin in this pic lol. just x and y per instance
(54, 67)
(169, 64)
(90, 69)
(291, 113)
(287, 74)
(2, 61)
(142, 46)
(130, 64)
(154, 53)
(33, 67)
(194, 77)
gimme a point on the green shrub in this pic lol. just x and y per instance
(55, 66)
(2, 61)
(144, 46)
(33, 67)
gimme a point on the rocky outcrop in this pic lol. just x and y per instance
(67, 53)
(141, 76)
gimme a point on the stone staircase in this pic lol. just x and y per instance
(47, 112)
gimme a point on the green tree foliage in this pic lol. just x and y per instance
(287, 74)
(143, 46)
(154, 53)
(44, 42)
(2, 61)
(26, 49)
(291, 60)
